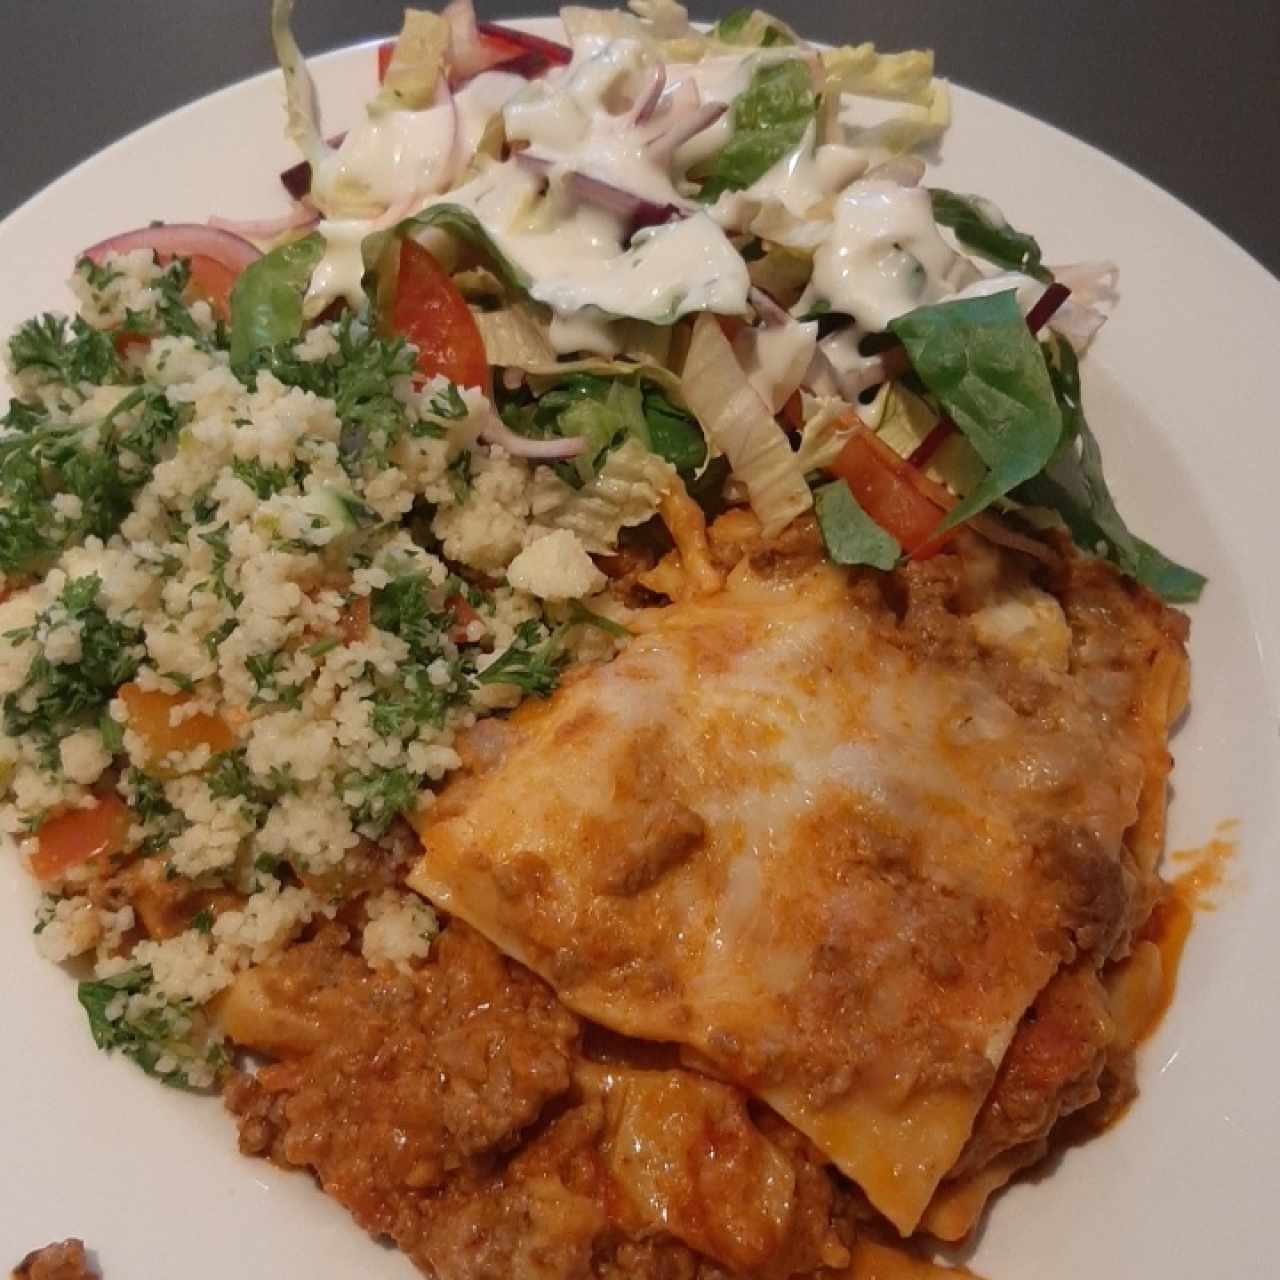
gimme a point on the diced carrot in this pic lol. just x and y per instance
(76, 835)
(149, 713)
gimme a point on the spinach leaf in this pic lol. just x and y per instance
(463, 225)
(977, 230)
(266, 299)
(979, 360)
(1074, 486)
(848, 533)
(673, 432)
(769, 119)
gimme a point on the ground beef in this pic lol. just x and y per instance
(65, 1260)
(454, 1109)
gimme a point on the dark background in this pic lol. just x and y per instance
(1186, 92)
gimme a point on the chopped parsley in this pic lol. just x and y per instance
(168, 1040)
(532, 662)
(69, 353)
(56, 699)
(97, 468)
(377, 798)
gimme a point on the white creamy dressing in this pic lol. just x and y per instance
(884, 256)
(384, 162)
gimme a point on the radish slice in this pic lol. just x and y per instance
(495, 431)
(299, 217)
(181, 240)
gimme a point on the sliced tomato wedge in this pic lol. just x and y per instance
(427, 310)
(879, 480)
(73, 837)
(211, 282)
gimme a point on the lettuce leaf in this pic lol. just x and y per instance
(463, 225)
(1074, 486)
(299, 90)
(979, 360)
(626, 492)
(738, 424)
(416, 64)
(753, 28)
(769, 119)
(981, 228)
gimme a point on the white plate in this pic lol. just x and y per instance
(1180, 389)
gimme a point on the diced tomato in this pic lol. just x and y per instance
(386, 51)
(353, 621)
(149, 716)
(878, 479)
(463, 616)
(125, 342)
(77, 835)
(428, 310)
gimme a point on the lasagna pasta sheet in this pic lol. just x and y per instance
(831, 842)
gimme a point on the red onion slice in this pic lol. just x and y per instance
(663, 144)
(299, 217)
(637, 210)
(559, 55)
(181, 240)
(495, 431)
(296, 179)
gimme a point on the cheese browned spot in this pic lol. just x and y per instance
(829, 835)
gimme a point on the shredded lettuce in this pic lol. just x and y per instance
(299, 90)
(626, 492)
(416, 64)
(769, 119)
(861, 72)
(862, 69)
(905, 423)
(739, 425)
(754, 28)
(605, 412)
(515, 338)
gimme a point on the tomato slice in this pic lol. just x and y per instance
(428, 311)
(878, 479)
(73, 837)
(211, 282)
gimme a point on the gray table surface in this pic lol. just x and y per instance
(1186, 93)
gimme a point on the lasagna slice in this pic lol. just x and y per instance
(832, 833)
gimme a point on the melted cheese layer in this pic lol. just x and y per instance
(813, 846)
